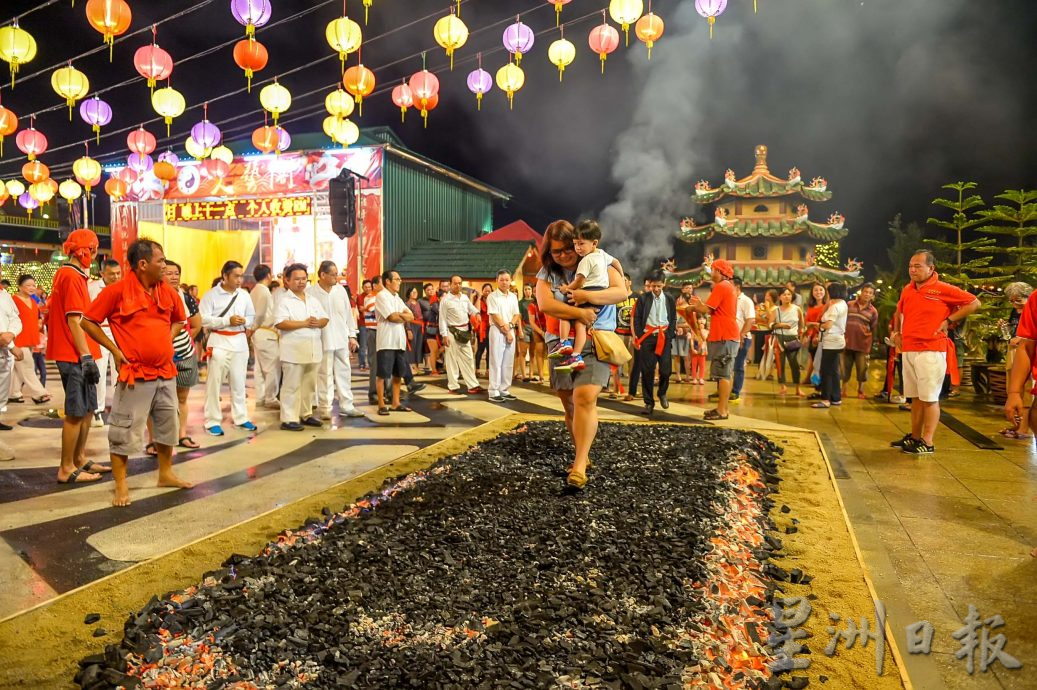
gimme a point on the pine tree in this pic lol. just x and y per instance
(961, 268)
(906, 241)
(1017, 221)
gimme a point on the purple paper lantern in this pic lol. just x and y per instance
(169, 157)
(479, 82)
(251, 13)
(710, 9)
(206, 134)
(140, 163)
(27, 202)
(518, 39)
(95, 112)
(284, 140)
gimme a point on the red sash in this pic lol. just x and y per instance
(660, 342)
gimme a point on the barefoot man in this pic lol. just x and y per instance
(145, 314)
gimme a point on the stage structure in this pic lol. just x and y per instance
(274, 209)
(768, 237)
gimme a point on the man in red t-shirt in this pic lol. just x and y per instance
(144, 314)
(724, 333)
(927, 310)
(74, 355)
(1024, 366)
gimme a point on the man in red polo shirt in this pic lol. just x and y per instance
(144, 314)
(74, 354)
(724, 332)
(927, 309)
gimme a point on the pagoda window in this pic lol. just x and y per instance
(731, 252)
(715, 252)
(759, 252)
(786, 251)
(802, 253)
(762, 208)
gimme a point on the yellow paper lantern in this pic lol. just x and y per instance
(15, 188)
(70, 84)
(70, 190)
(451, 33)
(275, 99)
(561, 53)
(169, 103)
(222, 153)
(344, 36)
(17, 46)
(341, 131)
(87, 172)
(510, 79)
(339, 103)
(195, 149)
(625, 13)
(41, 192)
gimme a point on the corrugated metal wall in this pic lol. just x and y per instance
(420, 205)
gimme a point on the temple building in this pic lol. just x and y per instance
(761, 229)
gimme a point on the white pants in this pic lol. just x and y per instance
(25, 375)
(106, 365)
(502, 362)
(923, 375)
(233, 365)
(298, 386)
(334, 375)
(460, 359)
(6, 373)
(267, 371)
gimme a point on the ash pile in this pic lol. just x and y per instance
(483, 572)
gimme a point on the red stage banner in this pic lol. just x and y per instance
(267, 207)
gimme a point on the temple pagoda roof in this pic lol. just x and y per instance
(768, 228)
(770, 275)
(762, 183)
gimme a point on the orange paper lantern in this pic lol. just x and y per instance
(164, 171)
(8, 125)
(116, 188)
(35, 171)
(265, 139)
(110, 18)
(359, 81)
(251, 56)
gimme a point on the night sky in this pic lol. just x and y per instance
(886, 99)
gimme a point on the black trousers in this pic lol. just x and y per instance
(830, 379)
(635, 373)
(649, 361)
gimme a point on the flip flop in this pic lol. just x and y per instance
(383, 411)
(74, 478)
(89, 465)
(190, 443)
(151, 450)
(714, 416)
(401, 408)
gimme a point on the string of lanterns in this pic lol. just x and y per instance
(112, 18)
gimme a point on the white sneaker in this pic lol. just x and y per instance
(98, 420)
(6, 452)
(898, 400)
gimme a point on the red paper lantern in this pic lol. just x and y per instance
(141, 141)
(127, 175)
(31, 142)
(403, 97)
(153, 63)
(251, 56)
(603, 40)
(216, 168)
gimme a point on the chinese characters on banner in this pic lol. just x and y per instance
(790, 613)
(234, 209)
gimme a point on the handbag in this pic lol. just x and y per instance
(462, 337)
(609, 348)
(792, 344)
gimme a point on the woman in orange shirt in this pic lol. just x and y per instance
(24, 369)
(816, 306)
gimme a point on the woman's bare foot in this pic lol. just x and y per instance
(122, 497)
(171, 480)
(783, 390)
(1034, 553)
(800, 393)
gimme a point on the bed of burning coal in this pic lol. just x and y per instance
(483, 571)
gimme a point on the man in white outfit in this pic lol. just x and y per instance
(339, 339)
(10, 327)
(301, 319)
(503, 309)
(227, 311)
(111, 271)
(455, 313)
(267, 372)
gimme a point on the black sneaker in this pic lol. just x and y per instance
(917, 447)
(901, 442)
(496, 399)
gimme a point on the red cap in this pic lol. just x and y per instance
(724, 268)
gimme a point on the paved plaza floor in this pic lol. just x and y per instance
(936, 534)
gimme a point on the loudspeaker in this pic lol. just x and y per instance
(342, 200)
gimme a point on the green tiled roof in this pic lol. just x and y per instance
(759, 187)
(468, 259)
(765, 228)
(771, 276)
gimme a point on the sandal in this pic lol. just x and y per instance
(1013, 434)
(41, 400)
(74, 478)
(151, 450)
(714, 416)
(188, 442)
(89, 466)
(821, 405)
(383, 411)
(576, 480)
(400, 408)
